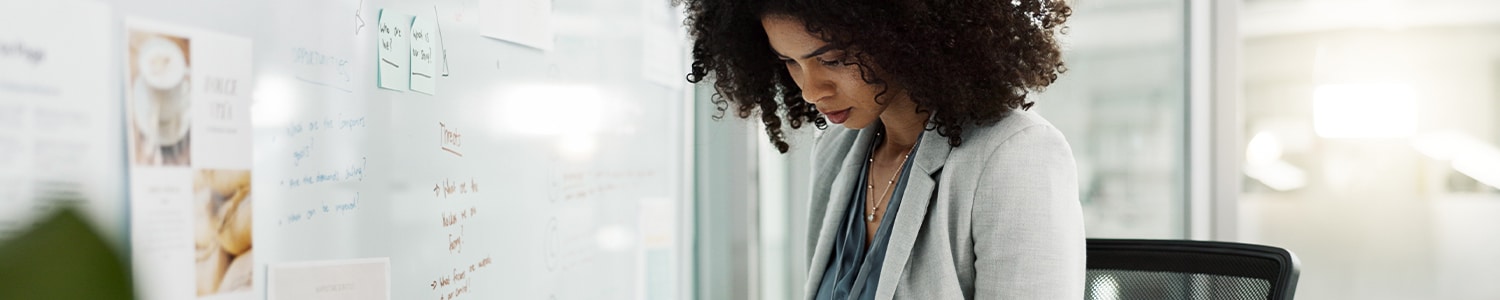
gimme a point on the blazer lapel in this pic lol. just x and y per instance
(931, 154)
(838, 204)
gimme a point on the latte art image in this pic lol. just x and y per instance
(161, 63)
(160, 101)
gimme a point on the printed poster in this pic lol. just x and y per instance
(188, 135)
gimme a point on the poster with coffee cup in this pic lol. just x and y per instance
(187, 111)
(159, 91)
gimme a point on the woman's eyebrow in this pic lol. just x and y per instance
(820, 51)
(817, 52)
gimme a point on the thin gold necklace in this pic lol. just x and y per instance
(870, 217)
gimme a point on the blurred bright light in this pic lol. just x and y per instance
(1264, 148)
(1447, 145)
(1470, 156)
(551, 110)
(1278, 175)
(1484, 167)
(1364, 111)
(1263, 163)
(271, 105)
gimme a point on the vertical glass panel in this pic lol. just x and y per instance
(725, 189)
(1122, 106)
(1371, 144)
(784, 185)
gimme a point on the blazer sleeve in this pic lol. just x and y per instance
(1027, 222)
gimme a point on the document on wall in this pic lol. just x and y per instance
(525, 22)
(188, 136)
(58, 136)
(423, 56)
(359, 279)
(393, 48)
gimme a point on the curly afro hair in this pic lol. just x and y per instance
(967, 62)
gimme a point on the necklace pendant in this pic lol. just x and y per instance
(870, 218)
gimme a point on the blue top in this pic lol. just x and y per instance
(852, 272)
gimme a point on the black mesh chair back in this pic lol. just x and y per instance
(1120, 269)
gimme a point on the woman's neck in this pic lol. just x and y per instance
(902, 125)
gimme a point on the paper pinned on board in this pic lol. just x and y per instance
(357, 279)
(187, 122)
(423, 56)
(525, 22)
(392, 48)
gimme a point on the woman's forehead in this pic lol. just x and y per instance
(789, 36)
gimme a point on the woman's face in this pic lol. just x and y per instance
(826, 78)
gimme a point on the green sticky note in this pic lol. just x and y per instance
(423, 56)
(392, 51)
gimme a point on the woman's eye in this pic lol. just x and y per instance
(789, 62)
(831, 63)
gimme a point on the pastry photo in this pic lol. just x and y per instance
(222, 216)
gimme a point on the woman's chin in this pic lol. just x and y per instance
(856, 124)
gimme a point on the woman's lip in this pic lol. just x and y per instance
(838, 117)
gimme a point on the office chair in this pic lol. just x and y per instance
(1122, 269)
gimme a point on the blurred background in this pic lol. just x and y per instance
(1369, 136)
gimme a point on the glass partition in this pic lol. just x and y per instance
(1123, 107)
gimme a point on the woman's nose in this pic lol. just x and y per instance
(817, 86)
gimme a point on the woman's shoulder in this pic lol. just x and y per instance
(1019, 128)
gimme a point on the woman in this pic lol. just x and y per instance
(939, 184)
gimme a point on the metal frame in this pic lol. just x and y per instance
(1214, 120)
(1227, 121)
(687, 237)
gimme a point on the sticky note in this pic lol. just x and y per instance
(423, 56)
(392, 49)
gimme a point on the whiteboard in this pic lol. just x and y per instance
(533, 170)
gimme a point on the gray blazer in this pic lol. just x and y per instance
(996, 218)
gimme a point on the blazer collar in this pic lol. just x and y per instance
(838, 204)
(931, 155)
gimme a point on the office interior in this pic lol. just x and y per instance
(1363, 136)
